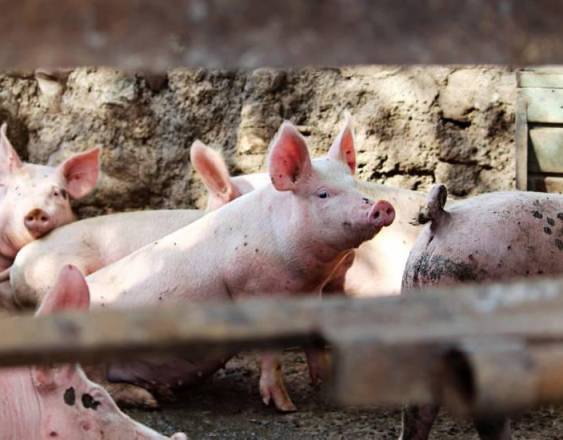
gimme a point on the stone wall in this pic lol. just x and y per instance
(414, 125)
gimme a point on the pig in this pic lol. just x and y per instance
(89, 245)
(491, 237)
(376, 267)
(35, 199)
(287, 237)
(60, 402)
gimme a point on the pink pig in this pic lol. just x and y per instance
(376, 267)
(287, 238)
(35, 199)
(38, 403)
(497, 236)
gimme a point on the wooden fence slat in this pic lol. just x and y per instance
(549, 78)
(544, 105)
(545, 183)
(546, 154)
(521, 142)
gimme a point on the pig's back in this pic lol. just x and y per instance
(187, 262)
(495, 236)
(90, 245)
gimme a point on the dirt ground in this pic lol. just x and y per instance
(228, 407)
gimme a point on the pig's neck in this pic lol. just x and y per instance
(20, 409)
(309, 260)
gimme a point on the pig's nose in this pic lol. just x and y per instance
(38, 222)
(382, 213)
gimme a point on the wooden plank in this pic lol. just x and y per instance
(544, 105)
(521, 142)
(546, 150)
(548, 78)
(151, 34)
(519, 309)
(545, 183)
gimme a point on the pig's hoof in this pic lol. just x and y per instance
(278, 394)
(132, 396)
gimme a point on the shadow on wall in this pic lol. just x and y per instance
(414, 125)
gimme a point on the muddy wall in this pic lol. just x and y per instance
(414, 125)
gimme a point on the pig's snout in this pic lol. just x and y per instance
(382, 214)
(38, 222)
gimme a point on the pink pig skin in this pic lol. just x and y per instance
(491, 237)
(35, 199)
(40, 403)
(376, 267)
(89, 245)
(290, 235)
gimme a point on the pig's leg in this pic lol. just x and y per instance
(7, 300)
(418, 421)
(336, 283)
(318, 361)
(497, 428)
(272, 385)
(5, 274)
(125, 395)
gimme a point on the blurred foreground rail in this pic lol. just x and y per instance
(485, 348)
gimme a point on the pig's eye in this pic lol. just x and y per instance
(60, 193)
(323, 194)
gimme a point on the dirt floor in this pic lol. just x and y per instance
(228, 407)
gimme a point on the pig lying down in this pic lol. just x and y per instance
(39, 403)
(285, 238)
(95, 243)
(491, 237)
(35, 199)
(89, 245)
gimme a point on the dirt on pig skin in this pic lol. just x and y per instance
(227, 407)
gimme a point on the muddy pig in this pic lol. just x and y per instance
(60, 402)
(286, 237)
(492, 237)
(376, 267)
(35, 199)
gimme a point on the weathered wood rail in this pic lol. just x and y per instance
(482, 348)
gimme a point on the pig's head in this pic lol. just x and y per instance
(221, 186)
(327, 208)
(73, 407)
(36, 199)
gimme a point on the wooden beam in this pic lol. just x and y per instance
(386, 349)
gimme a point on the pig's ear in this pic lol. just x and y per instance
(81, 172)
(47, 379)
(9, 159)
(69, 293)
(343, 148)
(213, 172)
(289, 162)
